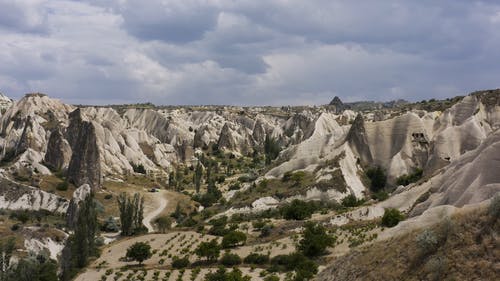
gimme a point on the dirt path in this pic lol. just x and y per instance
(154, 209)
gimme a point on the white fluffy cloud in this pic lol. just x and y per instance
(247, 52)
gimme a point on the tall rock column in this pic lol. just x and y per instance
(84, 166)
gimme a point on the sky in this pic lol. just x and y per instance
(248, 52)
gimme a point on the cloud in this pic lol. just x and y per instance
(24, 16)
(247, 52)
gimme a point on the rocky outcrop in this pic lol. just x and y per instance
(226, 139)
(78, 195)
(16, 196)
(337, 105)
(26, 139)
(85, 164)
(58, 153)
(356, 138)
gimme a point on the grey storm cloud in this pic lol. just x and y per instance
(247, 52)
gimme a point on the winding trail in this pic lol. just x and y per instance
(154, 210)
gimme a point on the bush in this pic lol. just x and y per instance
(222, 275)
(63, 186)
(229, 259)
(304, 267)
(411, 178)
(351, 201)
(139, 251)
(378, 178)
(15, 227)
(298, 210)
(179, 263)
(209, 250)
(266, 230)
(138, 168)
(392, 217)
(380, 195)
(427, 242)
(110, 225)
(315, 240)
(233, 239)
(255, 258)
(494, 208)
(272, 278)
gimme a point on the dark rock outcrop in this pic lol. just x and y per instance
(72, 213)
(259, 133)
(84, 166)
(226, 140)
(356, 137)
(337, 105)
(26, 139)
(58, 151)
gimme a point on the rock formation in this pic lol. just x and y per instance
(58, 153)
(78, 195)
(85, 164)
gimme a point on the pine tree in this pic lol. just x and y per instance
(131, 213)
(198, 174)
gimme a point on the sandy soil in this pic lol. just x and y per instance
(158, 204)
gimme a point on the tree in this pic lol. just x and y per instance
(229, 259)
(198, 174)
(315, 240)
(33, 268)
(7, 247)
(81, 245)
(171, 180)
(271, 149)
(85, 232)
(163, 223)
(209, 250)
(222, 275)
(131, 213)
(180, 262)
(110, 225)
(378, 178)
(392, 217)
(139, 251)
(297, 210)
(233, 238)
(304, 268)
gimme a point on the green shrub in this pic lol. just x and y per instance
(255, 258)
(139, 251)
(298, 210)
(392, 217)
(351, 201)
(315, 240)
(272, 278)
(233, 239)
(229, 259)
(378, 178)
(380, 195)
(411, 178)
(494, 208)
(63, 186)
(304, 268)
(179, 263)
(427, 242)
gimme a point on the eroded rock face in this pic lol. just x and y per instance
(358, 141)
(16, 196)
(337, 105)
(78, 195)
(58, 153)
(85, 164)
